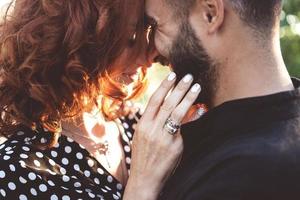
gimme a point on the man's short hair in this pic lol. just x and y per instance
(261, 15)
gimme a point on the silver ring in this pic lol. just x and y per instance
(171, 126)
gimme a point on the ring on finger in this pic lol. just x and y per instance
(171, 126)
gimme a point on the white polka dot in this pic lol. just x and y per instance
(51, 183)
(70, 140)
(128, 160)
(119, 194)
(43, 140)
(6, 157)
(2, 146)
(119, 186)
(79, 155)
(54, 154)
(56, 145)
(2, 192)
(9, 152)
(127, 148)
(13, 142)
(104, 190)
(66, 178)
(37, 163)
(8, 148)
(96, 180)
(22, 197)
(19, 133)
(25, 148)
(129, 134)
(91, 163)
(62, 170)
(63, 187)
(76, 167)
(100, 171)
(53, 197)
(32, 176)
(65, 161)
(125, 138)
(88, 190)
(51, 172)
(43, 188)
(80, 191)
(2, 174)
(115, 197)
(11, 186)
(125, 125)
(51, 162)
(27, 140)
(65, 197)
(77, 184)
(39, 154)
(22, 163)
(110, 179)
(68, 149)
(92, 195)
(87, 173)
(33, 192)
(24, 156)
(108, 188)
(22, 180)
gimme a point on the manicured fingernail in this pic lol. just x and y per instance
(200, 111)
(187, 78)
(196, 88)
(171, 76)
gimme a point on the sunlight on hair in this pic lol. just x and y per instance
(155, 75)
(3, 6)
(95, 124)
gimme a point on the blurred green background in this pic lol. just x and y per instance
(290, 36)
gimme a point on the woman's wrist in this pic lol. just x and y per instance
(141, 190)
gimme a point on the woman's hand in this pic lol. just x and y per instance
(155, 152)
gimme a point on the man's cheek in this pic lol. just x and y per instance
(163, 46)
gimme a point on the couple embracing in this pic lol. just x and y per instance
(62, 60)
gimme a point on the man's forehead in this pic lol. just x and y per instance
(156, 8)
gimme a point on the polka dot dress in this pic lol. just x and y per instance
(66, 171)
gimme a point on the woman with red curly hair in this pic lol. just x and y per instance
(66, 76)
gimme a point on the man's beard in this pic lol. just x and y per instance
(187, 56)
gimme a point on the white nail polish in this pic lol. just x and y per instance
(196, 88)
(187, 78)
(171, 76)
(201, 111)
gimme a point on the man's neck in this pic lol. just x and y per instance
(252, 71)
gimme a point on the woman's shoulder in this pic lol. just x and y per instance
(16, 148)
(14, 172)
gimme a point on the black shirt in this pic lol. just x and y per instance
(240, 150)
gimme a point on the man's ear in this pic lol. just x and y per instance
(213, 13)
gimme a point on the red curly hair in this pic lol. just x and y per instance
(55, 57)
